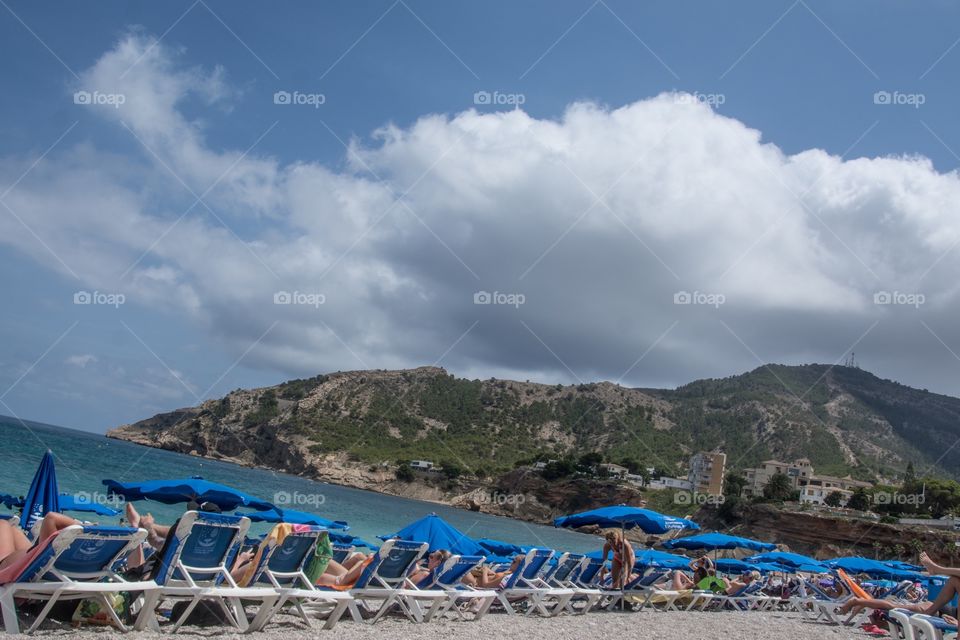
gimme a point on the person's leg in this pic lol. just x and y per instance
(677, 581)
(616, 574)
(53, 522)
(334, 569)
(13, 543)
(947, 593)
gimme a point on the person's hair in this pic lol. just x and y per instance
(711, 572)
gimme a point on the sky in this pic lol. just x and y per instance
(200, 196)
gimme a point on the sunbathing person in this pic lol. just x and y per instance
(424, 569)
(747, 578)
(675, 581)
(949, 591)
(340, 578)
(623, 558)
(14, 543)
(483, 577)
(700, 566)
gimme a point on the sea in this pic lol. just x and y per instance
(83, 460)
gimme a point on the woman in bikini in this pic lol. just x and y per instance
(623, 557)
(14, 543)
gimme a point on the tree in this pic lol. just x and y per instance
(778, 488)
(909, 476)
(589, 460)
(558, 469)
(833, 499)
(405, 473)
(451, 469)
(860, 500)
(733, 484)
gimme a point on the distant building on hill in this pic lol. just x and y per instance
(670, 483)
(421, 465)
(814, 490)
(797, 471)
(706, 473)
(614, 470)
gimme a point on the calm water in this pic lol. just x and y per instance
(83, 460)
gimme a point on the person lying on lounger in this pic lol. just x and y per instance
(700, 567)
(483, 577)
(424, 569)
(14, 543)
(949, 591)
(736, 586)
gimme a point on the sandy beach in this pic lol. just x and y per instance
(595, 626)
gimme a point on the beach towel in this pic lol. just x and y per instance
(322, 555)
(12, 572)
(345, 586)
(856, 589)
(712, 583)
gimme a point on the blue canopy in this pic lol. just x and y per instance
(346, 538)
(439, 534)
(187, 489)
(661, 560)
(10, 501)
(711, 541)
(502, 549)
(42, 497)
(731, 565)
(902, 566)
(793, 560)
(77, 503)
(624, 517)
(295, 517)
(873, 568)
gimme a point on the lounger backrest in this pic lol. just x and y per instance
(566, 566)
(202, 548)
(589, 571)
(454, 569)
(390, 564)
(95, 550)
(286, 560)
(530, 568)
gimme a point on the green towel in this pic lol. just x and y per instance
(712, 583)
(322, 555)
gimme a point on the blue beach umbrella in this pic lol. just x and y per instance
(789, 559)
(624, 517)
(714, 541)
(75, 503)
(439, 534)
(42, 498)
(295, 517)
(661, 560)
(346, 538)
(502, 549)
(873, 568)
(186, 489)
(902, 566)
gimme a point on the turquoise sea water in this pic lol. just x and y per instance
(83, 460)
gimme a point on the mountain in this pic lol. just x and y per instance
(353, 427)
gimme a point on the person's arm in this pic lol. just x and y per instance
(709, 563)
(606, 550)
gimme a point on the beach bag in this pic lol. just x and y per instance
(92, 612)
(322, 554)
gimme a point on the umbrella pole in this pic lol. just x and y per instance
(623, 583)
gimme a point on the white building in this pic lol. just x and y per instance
(671, 483)
(421, 465)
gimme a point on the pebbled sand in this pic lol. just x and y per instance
(593, 626)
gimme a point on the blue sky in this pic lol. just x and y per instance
(802, 75)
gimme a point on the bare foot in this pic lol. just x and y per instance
(132, 516)
(928, 564)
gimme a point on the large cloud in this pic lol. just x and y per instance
(597, 219)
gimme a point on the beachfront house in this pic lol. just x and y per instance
(814, 490)
(797, 471)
